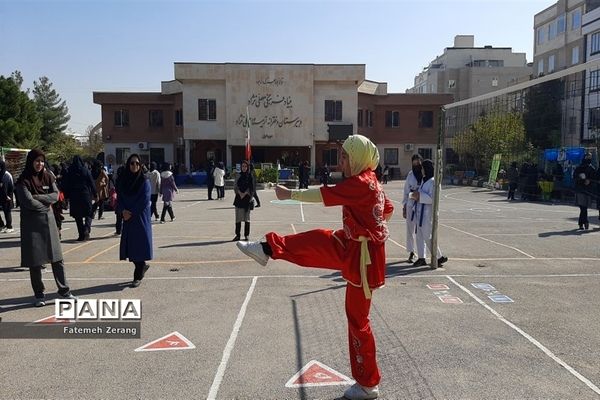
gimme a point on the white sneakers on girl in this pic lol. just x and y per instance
(358, 392)
(254, 250)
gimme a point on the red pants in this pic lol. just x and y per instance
(320, 249)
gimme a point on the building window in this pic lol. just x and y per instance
(359, 118)
(426, 153)
(451, 83)
(392, 119)
(552, 30)
(540, 66)
(575, 55)
(594, 80)
(561, 23)
(333, 110)
(594, 118)
(495, 81)
(573, 90)
(155, 118)
(595, 45)
(576, 19)
(390, 156)
(551, 64)
(207, 109)
(425, 119)
(121, 118)
(540, 36)
(369, 119)
(122, 155)
(572, 125)
(179, 117)
(330, 157)
(496, 63)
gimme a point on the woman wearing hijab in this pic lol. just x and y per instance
(412, 184)
(244, 201)
(80, 190)
(168, 188)
(133, 193)
(357, 250)
(424, 215)
(6, 198)
(584, 176)
(40, 243)
(219, 175)
(100, 178)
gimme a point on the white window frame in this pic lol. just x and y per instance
(551, 63)
(595, 43)
(576, 19)
(540, 66)
(575, 55)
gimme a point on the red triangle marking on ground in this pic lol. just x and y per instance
(172, 341)
(52, 320)
(317, 374)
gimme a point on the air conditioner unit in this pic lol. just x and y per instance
(143, 145)
(409, 147)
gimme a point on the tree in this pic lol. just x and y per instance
(94, 143)
(20, 124)
(53, 111)
(494, 132)
(63, 149)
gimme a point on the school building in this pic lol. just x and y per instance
(294, 112)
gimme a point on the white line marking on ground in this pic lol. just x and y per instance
(448, 196)
(488, 240)
(302, 211)
(214, 389)
(530, 338)
(293, 228)
(193, 204)
(396, 243)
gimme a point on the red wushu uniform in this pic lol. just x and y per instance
(364, 205)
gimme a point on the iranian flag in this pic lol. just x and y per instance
(248, 149)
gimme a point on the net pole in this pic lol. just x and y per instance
(438, 187)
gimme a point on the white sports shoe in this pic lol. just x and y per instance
(254, 250)
(11, 230)
(358, 392)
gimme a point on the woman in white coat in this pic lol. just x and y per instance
(411, 184)
(219, 177)
(424, 215)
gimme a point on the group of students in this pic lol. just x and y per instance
(357, 250)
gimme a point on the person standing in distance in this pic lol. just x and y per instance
(411, 184)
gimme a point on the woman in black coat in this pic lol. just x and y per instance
(80, 189)
(584, 176)
(244, 201)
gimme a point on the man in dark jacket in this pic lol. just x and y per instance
(6, 196)
(210, 179)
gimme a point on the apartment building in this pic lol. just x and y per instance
(399, 124)
(466, 71)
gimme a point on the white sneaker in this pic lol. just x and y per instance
(254, 250)
(358, 392)
(9, 231)
(3, 230)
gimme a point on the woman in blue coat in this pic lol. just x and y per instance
(133, 193)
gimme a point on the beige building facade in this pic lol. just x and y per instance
(290, 109)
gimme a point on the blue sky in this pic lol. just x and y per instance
(85, 46)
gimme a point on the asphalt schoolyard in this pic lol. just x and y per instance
(513, 315)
